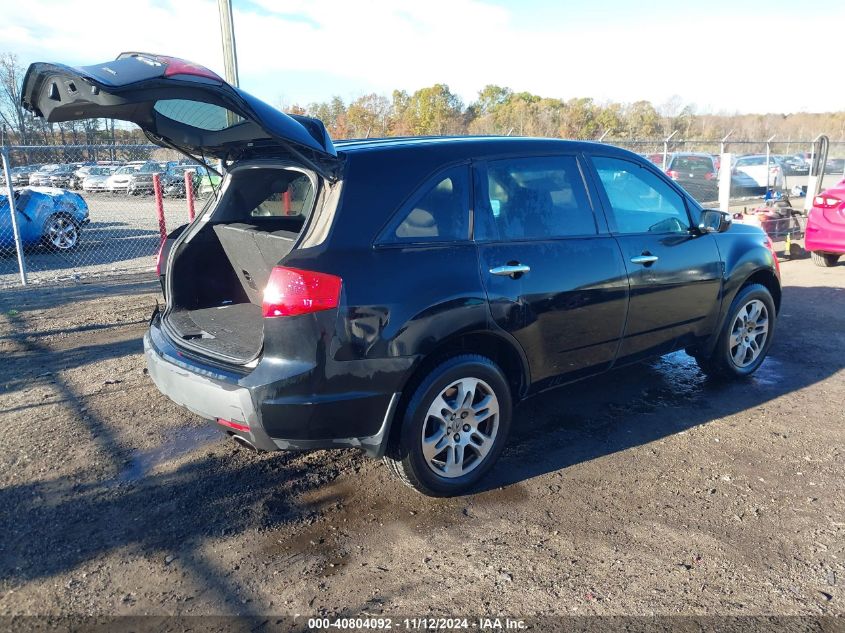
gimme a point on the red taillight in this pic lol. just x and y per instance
(290, 291)
(826, 202)
(672, 174)
(233, 425)
(158, 258)
(709, 176)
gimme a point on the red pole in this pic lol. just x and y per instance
(286, 198)
(162, 227)
(189, 193)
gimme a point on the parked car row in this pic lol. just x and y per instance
(133, 178)
(698, 172)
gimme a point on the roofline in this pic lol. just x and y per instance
(389, 142)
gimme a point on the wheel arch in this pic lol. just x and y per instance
(505, 353)
(765, 277)
(62, 213)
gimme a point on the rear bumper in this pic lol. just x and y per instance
(275, 421)
(824, 238)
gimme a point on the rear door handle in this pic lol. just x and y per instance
(510, 270)
(645, 260)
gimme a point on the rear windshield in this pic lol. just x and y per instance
(752, 161)
(203, 116)
(693, 164)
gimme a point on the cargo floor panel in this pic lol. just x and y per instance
(235, 330)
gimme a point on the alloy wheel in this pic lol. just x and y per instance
(62, 233)
(749, 333)
(460, 427)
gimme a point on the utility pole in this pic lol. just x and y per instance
(227, 37)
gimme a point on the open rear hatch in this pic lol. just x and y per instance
(218, 268)
(177, 104)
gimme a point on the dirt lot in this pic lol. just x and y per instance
(647, 491)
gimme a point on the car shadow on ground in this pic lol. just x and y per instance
(37, 297)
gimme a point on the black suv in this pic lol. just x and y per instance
(401, 295)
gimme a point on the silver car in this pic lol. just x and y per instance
(96, 179)
(119, 180)
(41, 178)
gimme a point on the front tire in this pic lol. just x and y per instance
(61, 234)
(823, 259)
(454, 427)
(745, 337)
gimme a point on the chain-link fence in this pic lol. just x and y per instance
(758, 169)
(91, 210)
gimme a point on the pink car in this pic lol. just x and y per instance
(825, 237)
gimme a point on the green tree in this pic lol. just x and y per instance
(368, 116)
(642, 120)
(434, 110)
(579, 119)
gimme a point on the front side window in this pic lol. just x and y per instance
(440, 213)
(534, 198)
(641, 202)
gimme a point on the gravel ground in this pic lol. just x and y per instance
(646, 491)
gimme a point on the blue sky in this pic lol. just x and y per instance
(720, 55)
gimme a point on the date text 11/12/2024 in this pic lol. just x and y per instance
(418, 624)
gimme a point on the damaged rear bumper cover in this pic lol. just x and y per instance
(213, 393)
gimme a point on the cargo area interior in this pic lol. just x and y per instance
(218, 275)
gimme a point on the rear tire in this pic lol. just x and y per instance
(823, 259)
(745, 337)
(454, 427)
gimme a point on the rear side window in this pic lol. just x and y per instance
(439, 213)
(640, 200)
(534, 198)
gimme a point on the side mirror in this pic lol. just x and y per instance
(714, 221)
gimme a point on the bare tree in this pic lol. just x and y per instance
(12, 112)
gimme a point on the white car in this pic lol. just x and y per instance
(754, 167)
(97, 178)
(119, 180)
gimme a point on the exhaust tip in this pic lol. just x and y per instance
(244, 442)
